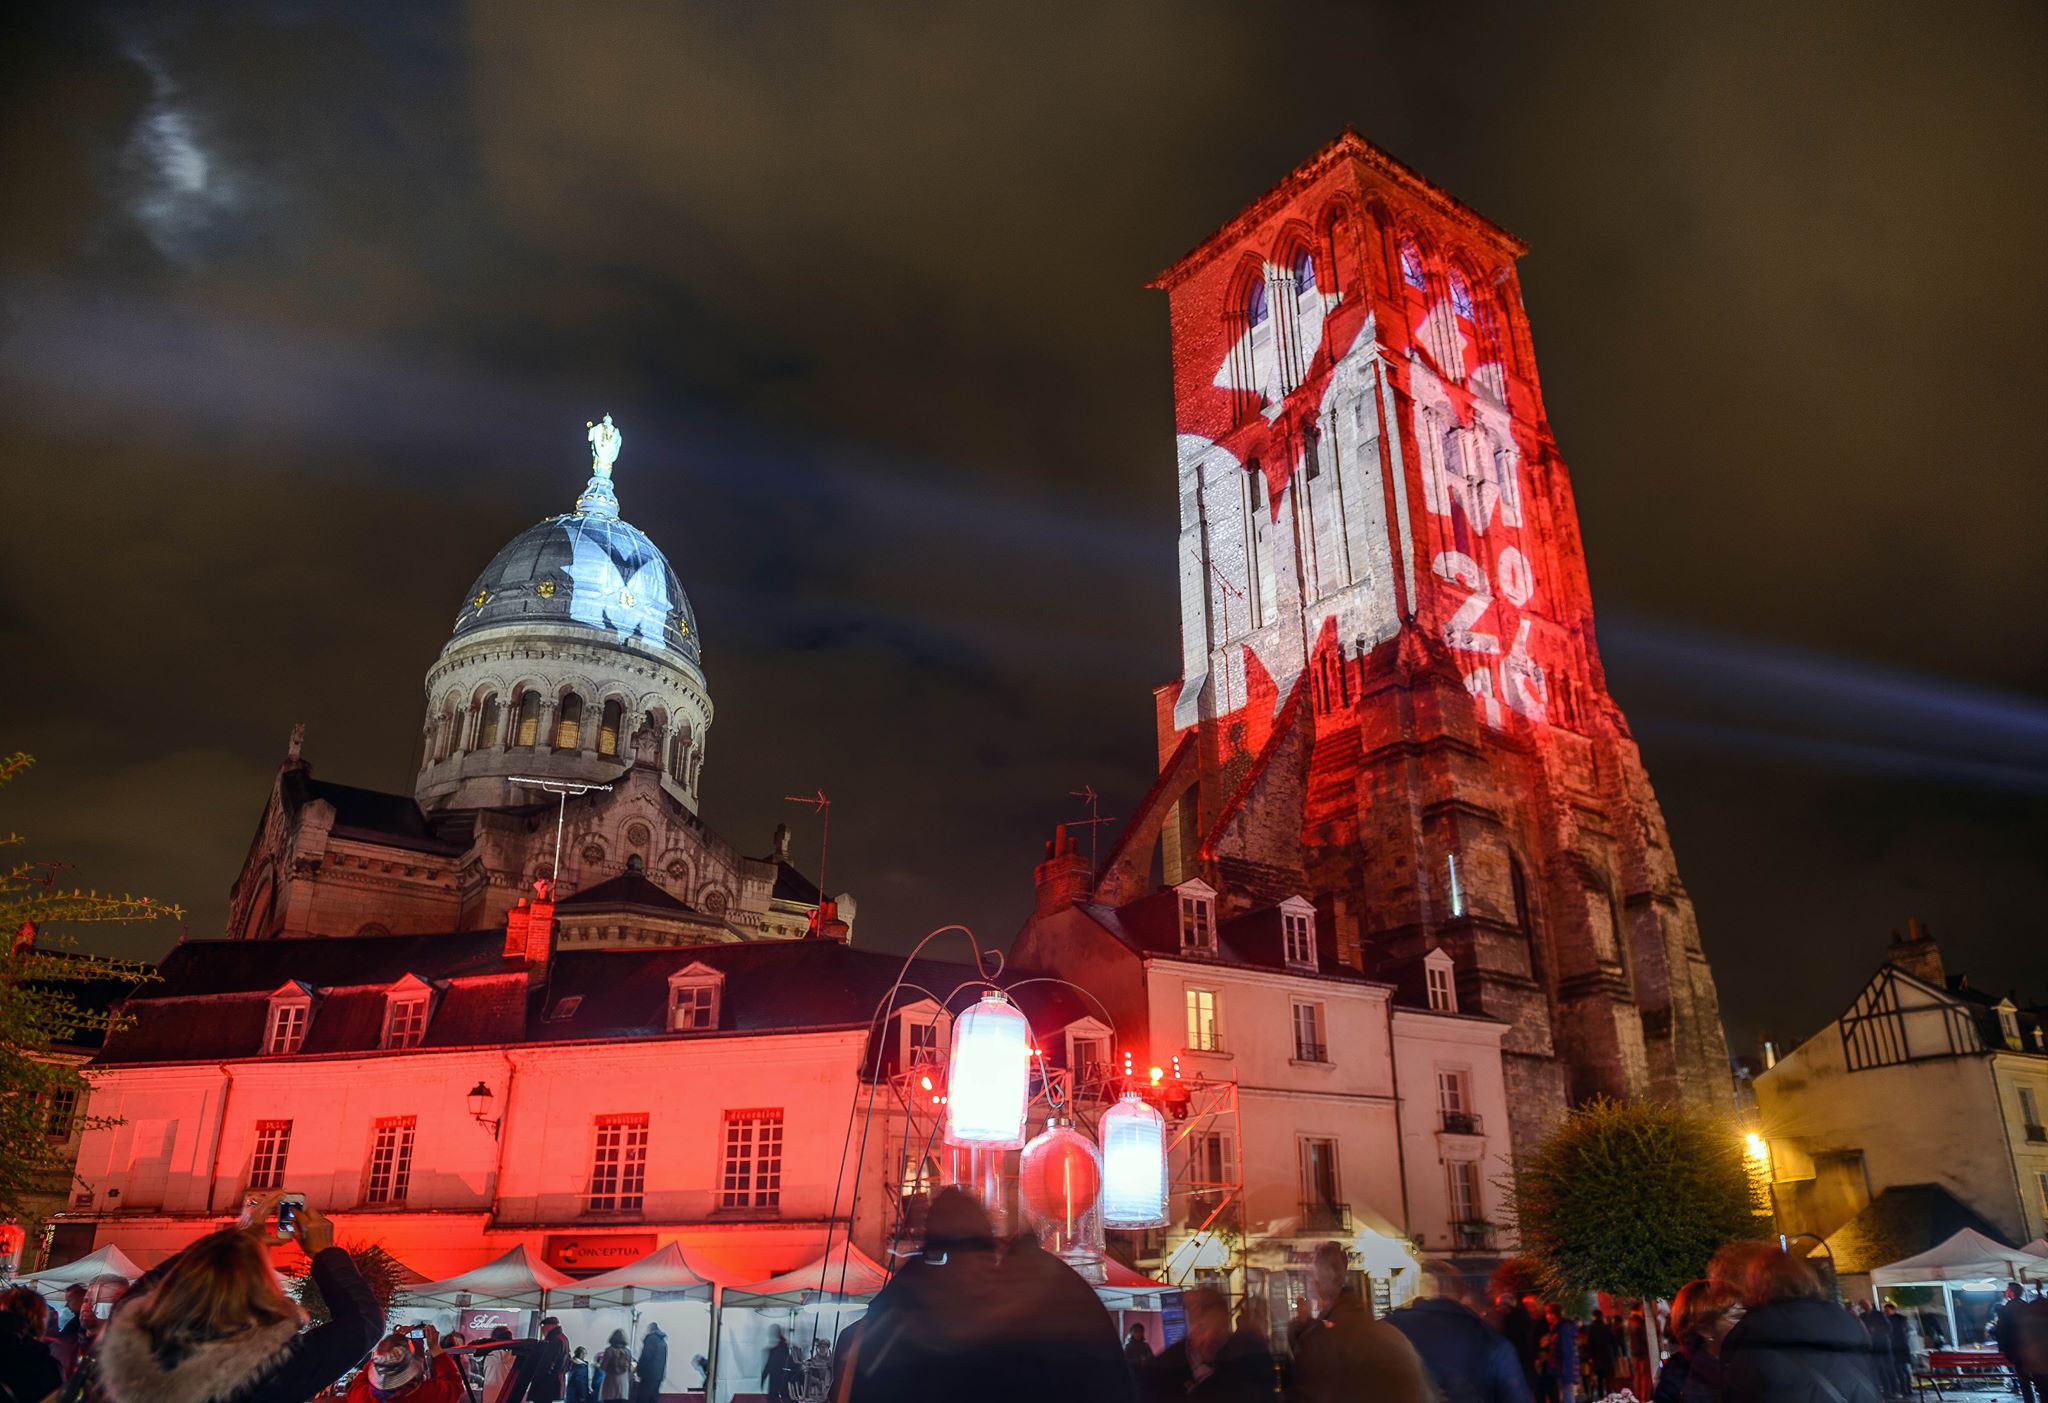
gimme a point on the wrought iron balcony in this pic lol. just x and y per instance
(1474, 1232)
(1325, 1217)
(1462, 1123)
(1311, 1052)
(2037, 1135)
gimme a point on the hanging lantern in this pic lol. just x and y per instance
(988, 1085)
(1059, 1179)
(1133, 1165)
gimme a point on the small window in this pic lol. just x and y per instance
(1087, 1058)
(1197, 920)
(1304, 272)
(693, 996)
(1443, 993)
(60, 1113)
(528, 731)
(1464, 1181)
(750, 1174)
(569, 726)
(405, 1021)
(1461, 295)
(618, 1165)
(1454, 1100)
(287, 1028)
(2009, 1025)
(266, 1162)
(1308, 1034)
(1255, 309)
(1205, 1033)
(1298, 936)
(608, 728)
(920, 1040)
(390, 1176)
(566, 1008)
(1411, 265)
(2030, 1110)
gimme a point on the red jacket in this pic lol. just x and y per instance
(442, 1384)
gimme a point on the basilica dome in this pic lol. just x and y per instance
(573, 659)
(584, 568)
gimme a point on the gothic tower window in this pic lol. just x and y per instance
(487, 723)
(528, 732)
(608, 727)
(1519, 884)
(569, 727)
(1411, 266)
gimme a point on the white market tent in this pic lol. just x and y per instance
(812, 1303)
(511, 1280)
(668, 1274)
(109, 1263)
(1124, 1289)
(668, 1287)
(1967, 1259)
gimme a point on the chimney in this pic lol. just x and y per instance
(781, 843)
(530, 932)
(1917, 954)
(827, 924)
(1064, 877)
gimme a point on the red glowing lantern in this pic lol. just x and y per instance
(1059, 1179)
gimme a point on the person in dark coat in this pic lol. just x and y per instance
(780, 1371)
(212, 1323)
(1794, 1345)
(28, 1370)
(72, 1336)
(1517, 1324)
(1470, 1360)
(1137, 1349)
(1052, 1337)
(1902, 1351)
(1603, 1352)
(2005, 1334)
(579, 1385)
(1701, 1314)
(652, 1367)
(1557, 1356)
(1212, 1362)
(1341, 1352)
(550, 1363)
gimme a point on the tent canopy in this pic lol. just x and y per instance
(1124, 1288)
(1968, 1256)
(107, 1264)
(669, 1272)
(513, 1280)
(844, 1271)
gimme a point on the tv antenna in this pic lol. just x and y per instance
(563, 788)
(822, 806)
(1093, 822)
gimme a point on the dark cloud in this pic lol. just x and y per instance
(305, 308)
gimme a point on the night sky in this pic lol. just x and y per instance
(305, 308)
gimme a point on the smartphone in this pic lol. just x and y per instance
(288, 1214)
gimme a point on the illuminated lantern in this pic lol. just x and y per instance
(1059, 1178)
(988, 1085)
(1133, 1165)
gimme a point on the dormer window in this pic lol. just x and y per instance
(1197, 916)
(2009, 1024)
(1439, 983)
(405, 1013)
(1298, 932)
(693, 999)
(291, 1009)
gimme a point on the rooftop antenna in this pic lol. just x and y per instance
(822, 806)
(562, 788)
(1094, 821)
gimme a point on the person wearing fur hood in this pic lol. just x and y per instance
(213, 1325)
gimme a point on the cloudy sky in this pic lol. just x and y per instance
(303, 308)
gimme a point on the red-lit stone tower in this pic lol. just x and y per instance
(1390, 697)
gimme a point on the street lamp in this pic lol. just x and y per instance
(480, 1109)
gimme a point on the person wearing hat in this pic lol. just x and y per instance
(396, 1372)
(551, 1364)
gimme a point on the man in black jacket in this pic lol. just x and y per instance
(1795, 1345)
(1470, 1360)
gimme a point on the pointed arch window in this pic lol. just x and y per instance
(528, 732)
(1461, 295)
(609, 726)
(569, 726)
(1256, 312)
(1304, 272)
(1411, 266)
(487, 722)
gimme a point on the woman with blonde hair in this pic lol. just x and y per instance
(213, 1324)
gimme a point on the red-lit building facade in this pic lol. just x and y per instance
(1391, 703)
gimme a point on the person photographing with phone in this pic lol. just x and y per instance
(409, 1366)
(213, 1323)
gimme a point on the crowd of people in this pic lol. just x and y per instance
(977, 1317)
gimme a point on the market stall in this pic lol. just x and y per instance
(512, 1290)
(807, 1307)
(667, 1288)
(1971, 1270)
(105, 1273)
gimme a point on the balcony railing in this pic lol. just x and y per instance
(2037, 1135)
(1311, 1052)
(1325, 1217)
(1462, 1123)
(1474, 1232)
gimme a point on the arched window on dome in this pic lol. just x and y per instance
(608, 727)
(528, 731)
(569, 727)
(444, 728)
(487, 722)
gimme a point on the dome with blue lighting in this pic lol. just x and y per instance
(586, 567)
